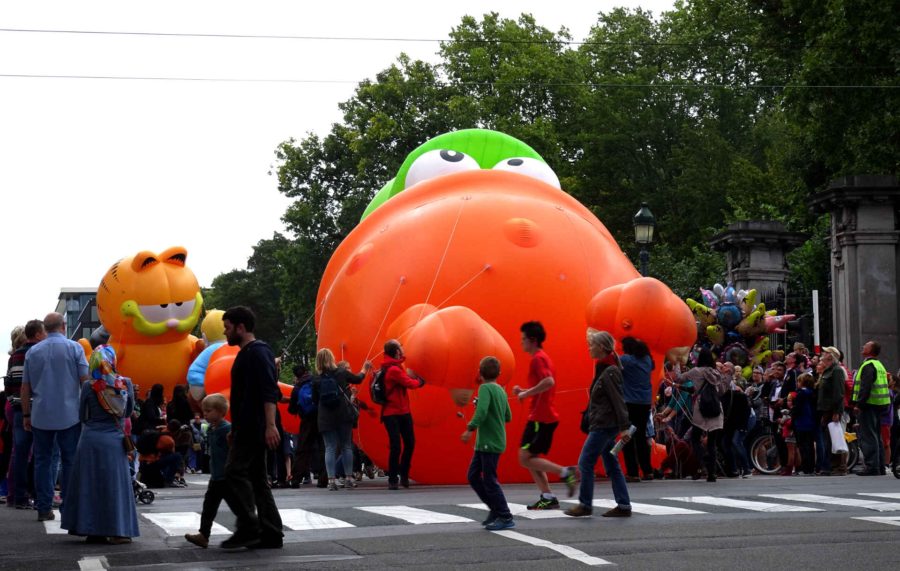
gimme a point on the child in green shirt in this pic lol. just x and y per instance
(492, 412)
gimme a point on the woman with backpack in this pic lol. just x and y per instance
(708, 387)
(336, 414)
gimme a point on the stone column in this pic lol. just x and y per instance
(755, 253)
(864, 263)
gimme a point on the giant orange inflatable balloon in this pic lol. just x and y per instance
(646, 309)
(149, 303)
(472, 238)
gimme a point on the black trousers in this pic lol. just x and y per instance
(399, 427)
(217, 491)
(708, 456)
(637, 451)
(309, 456)
(806, 444)
(252, 501)
(483, 479)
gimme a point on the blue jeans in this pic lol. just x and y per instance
(483, 479)
(736, 452)
(22, 440)
(341, 438)
(44, 441)
(598, 444)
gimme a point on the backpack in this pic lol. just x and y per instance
(378, 387)
(329, 392)
(709, 405)
(305, 399)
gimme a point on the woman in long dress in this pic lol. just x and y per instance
(100, 502)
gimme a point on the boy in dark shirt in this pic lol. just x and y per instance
(214, 406)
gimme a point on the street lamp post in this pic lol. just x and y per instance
(644, 224)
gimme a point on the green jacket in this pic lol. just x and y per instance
(830, 395)
(491, 415)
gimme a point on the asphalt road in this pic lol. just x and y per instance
(738, 524)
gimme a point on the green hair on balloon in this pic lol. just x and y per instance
(487, 148)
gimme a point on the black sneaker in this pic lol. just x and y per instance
(268, 543)
(490, 519)
(238, 541)
(404, 481)
(544, 504)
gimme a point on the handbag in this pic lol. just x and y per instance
(838, 443)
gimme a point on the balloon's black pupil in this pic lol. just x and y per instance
(515, 162)
(451, 156)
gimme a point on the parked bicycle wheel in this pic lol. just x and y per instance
(764, 454)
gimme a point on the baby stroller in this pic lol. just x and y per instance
(141, 493)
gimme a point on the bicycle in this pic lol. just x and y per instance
(764, 453)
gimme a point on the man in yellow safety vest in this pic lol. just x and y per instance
(870, 399)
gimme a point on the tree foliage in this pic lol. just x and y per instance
(716, 111)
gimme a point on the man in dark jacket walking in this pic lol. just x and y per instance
(254, 395)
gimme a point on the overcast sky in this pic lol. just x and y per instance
(93, 170)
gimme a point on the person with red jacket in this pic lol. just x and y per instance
(396, 415)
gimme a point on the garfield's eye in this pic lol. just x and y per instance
(438, 162)
(529, 167)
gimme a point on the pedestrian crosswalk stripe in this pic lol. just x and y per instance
(829, 500)
(646, 509)
(891, 495)
(179, 523)
(888, 520)
(742, 504)
(303, 520)
(521, 510)
(414, 515)
(569, 552)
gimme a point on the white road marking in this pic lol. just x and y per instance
(742, 504)
(521, 510)
(875, 519)
(565, 550)
(415, 515)
(93, 564)
(179, 523)
(829, 500)
(302, 520)
(891, 495)
(646, 509)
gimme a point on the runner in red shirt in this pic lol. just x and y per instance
(542, 420)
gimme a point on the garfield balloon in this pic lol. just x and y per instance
(149, 303)
(472, 238)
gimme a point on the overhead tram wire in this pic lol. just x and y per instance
(667, 86)
(554, 41)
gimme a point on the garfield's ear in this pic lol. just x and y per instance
(143, 260)
(176, 255)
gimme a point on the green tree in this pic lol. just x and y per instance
(257, 288)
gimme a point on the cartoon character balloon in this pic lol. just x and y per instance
(213, 329)
(733, 325)
(472, 238)
(149, 303)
